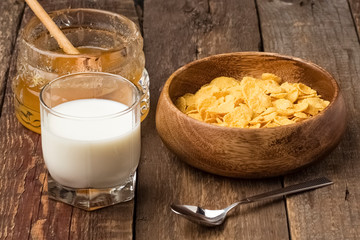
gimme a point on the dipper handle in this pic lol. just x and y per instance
(54, 30)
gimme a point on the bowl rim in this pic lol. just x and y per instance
(232, 129)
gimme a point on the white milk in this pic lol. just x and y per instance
(97, 153)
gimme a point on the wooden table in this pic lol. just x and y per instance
(175, 33)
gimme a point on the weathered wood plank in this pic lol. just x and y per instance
(20, 189)
(25, 210)
(323, 32)
(355, 10)
(177, 32)
(124, 7)
(12, 172)
(11, 13)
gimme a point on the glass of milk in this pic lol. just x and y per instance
(91, 138)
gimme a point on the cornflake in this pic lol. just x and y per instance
(251, 102)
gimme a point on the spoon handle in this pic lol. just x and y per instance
(54, 30)
(316, 183)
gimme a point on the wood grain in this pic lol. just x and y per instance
(323, 32)
(178, 32)
(25, 210)
(11, 12)
(355, 10)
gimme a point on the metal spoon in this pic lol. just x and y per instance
(212, 218)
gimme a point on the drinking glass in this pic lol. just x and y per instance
(108, 42)
(91, 138)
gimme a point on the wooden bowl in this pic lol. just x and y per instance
(250, 153)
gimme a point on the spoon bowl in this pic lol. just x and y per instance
(212, 218)
(202, 216)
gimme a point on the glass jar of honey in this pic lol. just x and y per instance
(108, 42)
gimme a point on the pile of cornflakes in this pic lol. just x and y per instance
(251, 102)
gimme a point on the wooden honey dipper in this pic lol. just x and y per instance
(54, 30)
